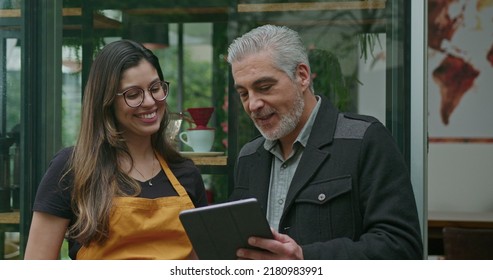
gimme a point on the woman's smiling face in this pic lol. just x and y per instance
(144, 120)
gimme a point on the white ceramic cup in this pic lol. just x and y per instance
(200, 140)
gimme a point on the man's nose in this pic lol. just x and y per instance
(255, 102)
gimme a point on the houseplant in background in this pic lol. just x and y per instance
(327, 75)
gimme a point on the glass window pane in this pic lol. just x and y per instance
(347, 41)
(71, 93)
(10, 117)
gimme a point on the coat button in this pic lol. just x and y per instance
(321, 197)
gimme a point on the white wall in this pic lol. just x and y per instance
(460, 177)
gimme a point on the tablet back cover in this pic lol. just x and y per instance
(217, 231)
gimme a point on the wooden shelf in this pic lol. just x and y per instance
(437, 220)
(100, 21)
(174, 11)
(10, 13)
(10, 218)
(219, 160)
(312, 6)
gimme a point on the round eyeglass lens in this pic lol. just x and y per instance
(159, 91)
(134, 97)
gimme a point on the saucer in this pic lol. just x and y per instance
(201, 154)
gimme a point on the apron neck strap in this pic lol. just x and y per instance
(174, 181)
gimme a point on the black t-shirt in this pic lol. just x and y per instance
(54, 196)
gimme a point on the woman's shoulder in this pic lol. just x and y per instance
(54, 191)
(64, 152)
(62, 157)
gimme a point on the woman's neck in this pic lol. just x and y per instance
(141, 151)
(144, 161)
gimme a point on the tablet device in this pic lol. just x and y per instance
(218, 230)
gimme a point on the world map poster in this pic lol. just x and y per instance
(460, 70)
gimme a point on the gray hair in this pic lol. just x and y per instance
(285, 46)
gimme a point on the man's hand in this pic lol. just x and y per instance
(282, 247)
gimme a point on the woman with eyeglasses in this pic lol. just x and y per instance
(117, 193)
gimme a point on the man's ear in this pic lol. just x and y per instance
(303, 74)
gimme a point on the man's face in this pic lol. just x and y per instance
(272, 100)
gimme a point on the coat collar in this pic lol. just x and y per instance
(325, 124)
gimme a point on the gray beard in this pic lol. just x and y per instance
(288, 121)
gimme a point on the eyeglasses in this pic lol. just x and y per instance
(134, 96)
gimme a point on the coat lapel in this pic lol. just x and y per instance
(260, 168)
(317, 150)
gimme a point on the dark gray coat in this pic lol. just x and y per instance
(351, 196)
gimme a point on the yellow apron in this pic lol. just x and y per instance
(142, 228)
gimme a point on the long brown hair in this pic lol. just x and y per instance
(98, 178)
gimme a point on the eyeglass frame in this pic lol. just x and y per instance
(144, 92)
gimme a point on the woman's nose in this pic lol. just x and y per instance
(148, 99)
